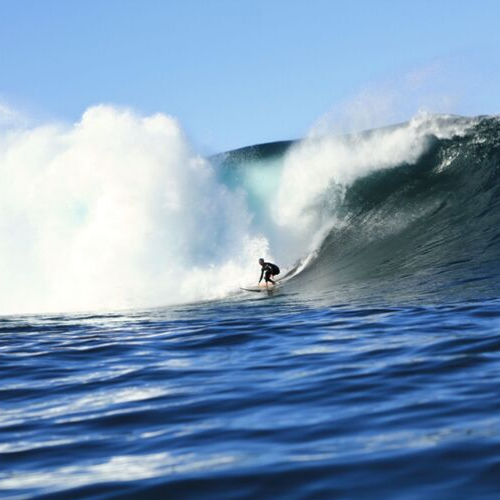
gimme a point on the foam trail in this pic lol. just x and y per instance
(116, 211)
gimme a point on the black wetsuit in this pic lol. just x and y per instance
(270, 270)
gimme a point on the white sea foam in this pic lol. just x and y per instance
(116, 211)
(319, 169)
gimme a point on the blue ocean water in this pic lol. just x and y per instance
(372, 372)
(271, 397)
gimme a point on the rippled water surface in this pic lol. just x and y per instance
(261, 398)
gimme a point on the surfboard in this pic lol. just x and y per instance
(259, 288)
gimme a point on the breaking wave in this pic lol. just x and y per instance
(118, 211)
(404, 213)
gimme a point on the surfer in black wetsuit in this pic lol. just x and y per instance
(269, 271)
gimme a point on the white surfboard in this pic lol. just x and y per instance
(259, 288)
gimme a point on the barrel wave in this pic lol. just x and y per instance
(408, 213)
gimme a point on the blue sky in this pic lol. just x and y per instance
(238, 72)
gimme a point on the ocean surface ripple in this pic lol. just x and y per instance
(271, 397)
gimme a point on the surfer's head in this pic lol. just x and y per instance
(261, 261)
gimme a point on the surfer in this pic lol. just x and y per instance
(269, 271)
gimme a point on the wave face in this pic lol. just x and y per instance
(405, 213)
(118, 211)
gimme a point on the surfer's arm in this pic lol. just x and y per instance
(261, 275)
